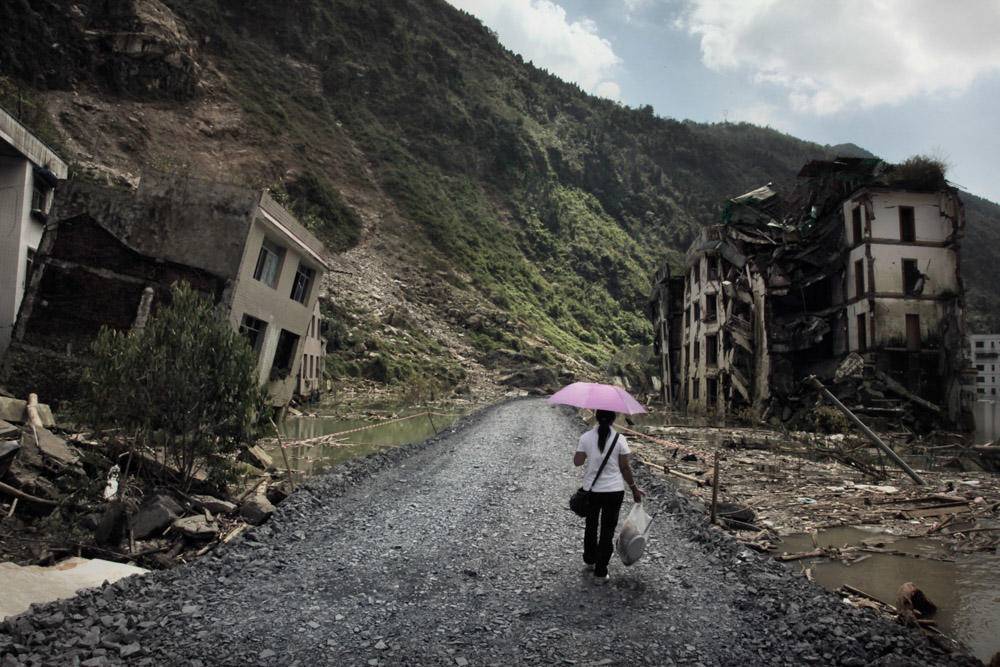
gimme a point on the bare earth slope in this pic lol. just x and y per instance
(461, 554)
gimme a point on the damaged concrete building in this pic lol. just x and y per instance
(858, 265)
(29, 172)
(109, 256)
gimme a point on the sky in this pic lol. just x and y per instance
(896, 77)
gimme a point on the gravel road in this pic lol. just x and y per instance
(459, 552)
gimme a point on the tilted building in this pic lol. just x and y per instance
(110, 256)
(29, 173)
(862, 258)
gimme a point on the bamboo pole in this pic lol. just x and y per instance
(17, 493)
(715, 487)
(284, 456)
(812, 379)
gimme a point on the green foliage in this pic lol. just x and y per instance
(186, 382)
(318, 206)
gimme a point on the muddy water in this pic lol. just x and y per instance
(311, 459)
(966, 591)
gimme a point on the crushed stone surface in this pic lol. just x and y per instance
(460, 551)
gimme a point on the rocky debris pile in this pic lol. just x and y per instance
(414, 566)
(62, 493)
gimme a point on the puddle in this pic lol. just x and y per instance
(312, 459)
(967, 591)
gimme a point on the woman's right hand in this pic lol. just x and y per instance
(637, 494)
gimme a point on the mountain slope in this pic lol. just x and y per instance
(487, 214)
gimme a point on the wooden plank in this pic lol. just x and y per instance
(940, 510)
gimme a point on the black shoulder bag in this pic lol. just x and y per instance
(581, 501)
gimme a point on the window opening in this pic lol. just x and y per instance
(912, 332)
(268, 264)
(711, 351)
(300, 286)
(283, 355)
(859, 278)
(913, 280)
(856, 225)
(862, 333)
(254, 330)
(907, 227)
(711, 307)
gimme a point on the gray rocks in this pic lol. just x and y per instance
(213, 505)
(196, 527)
(157, 512)
(256, 510)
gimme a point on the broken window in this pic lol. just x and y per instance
(712, 391)
(283, 355)
(695, 390)
(697, 350)
(859, 278)
(268, 264)
(711, 307)
(696, 272)
(979, 343)
(39, 198)
(856, 225)
(862, 333)
(913, 283)
(981, 390)
(711, 351)
(303, 281)
(907, 227)
(254, 330)
(980, 379)
(697, 312)
(912, 332)
(980, 367)
(713, 269)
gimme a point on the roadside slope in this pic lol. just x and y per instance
(463, 553)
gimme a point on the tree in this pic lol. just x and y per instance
(186, 382)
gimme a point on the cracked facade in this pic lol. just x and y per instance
(861, 259)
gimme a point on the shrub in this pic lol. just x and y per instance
(186, 381)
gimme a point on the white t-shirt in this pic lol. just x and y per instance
(611, 477)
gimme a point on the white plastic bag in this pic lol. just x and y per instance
(632, 537)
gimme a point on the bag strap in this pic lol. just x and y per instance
(605, 461)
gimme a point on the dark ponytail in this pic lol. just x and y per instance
(605, 418)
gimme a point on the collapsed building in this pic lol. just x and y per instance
(853, 278)
(108, 257)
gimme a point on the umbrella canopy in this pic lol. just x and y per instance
(597, 397)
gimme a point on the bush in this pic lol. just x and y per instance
(186, 381)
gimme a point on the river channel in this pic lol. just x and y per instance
(966, 591)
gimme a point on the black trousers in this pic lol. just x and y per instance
(598, 545)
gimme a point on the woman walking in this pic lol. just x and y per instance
(608, 490)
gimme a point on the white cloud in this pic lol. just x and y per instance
(832, 55)
(541, 32)
(608, 89)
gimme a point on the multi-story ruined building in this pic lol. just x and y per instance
(862, 258)
(29, 172)
(109, 256)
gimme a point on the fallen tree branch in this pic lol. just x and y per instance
(17, 493)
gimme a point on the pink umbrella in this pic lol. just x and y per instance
(597, 397)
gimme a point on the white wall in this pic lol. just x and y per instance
(15, 204)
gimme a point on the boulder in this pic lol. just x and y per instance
(156, 513)
(197, 527)
(213, 505)
(536, 377)
(7, 430)
(256, 510)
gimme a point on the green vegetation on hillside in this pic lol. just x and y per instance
(557, 206)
